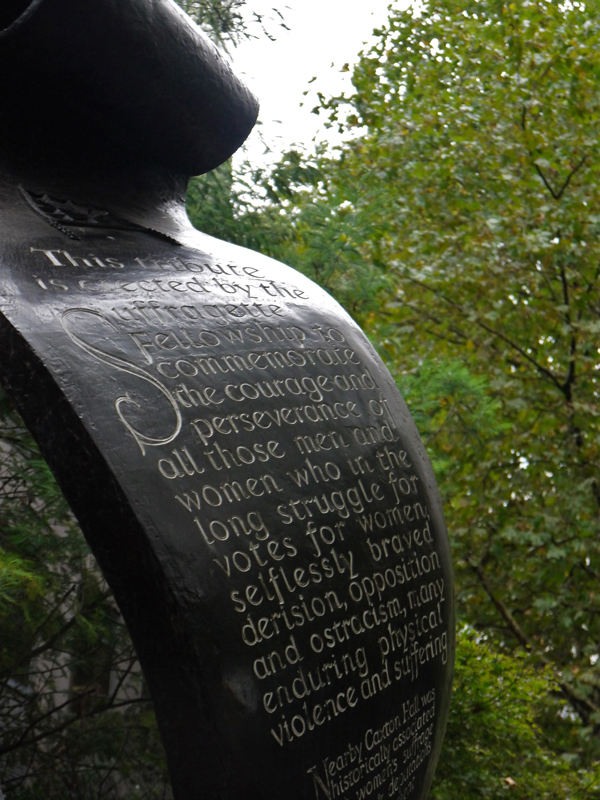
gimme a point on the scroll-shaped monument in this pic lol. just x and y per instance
(239, 458)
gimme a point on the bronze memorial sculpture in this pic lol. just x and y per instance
(239, 458)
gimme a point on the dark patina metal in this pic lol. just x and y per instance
(239, 458)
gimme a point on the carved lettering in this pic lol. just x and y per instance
(282, 455)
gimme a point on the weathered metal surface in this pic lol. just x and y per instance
(239, 458)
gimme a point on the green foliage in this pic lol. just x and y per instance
(494, 744)
(228, 22)
(221, 19)
(480, 122)
(454, 411)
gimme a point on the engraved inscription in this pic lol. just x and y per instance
(280, 452)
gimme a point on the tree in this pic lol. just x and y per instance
(222, 20)
(463, 219)
(227, 22)
(493, 742)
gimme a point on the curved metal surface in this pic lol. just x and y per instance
(116, 80)
(240, 460)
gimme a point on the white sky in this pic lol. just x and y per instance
(323, 36)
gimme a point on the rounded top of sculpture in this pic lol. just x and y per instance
(13, 11)
(116, 80)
